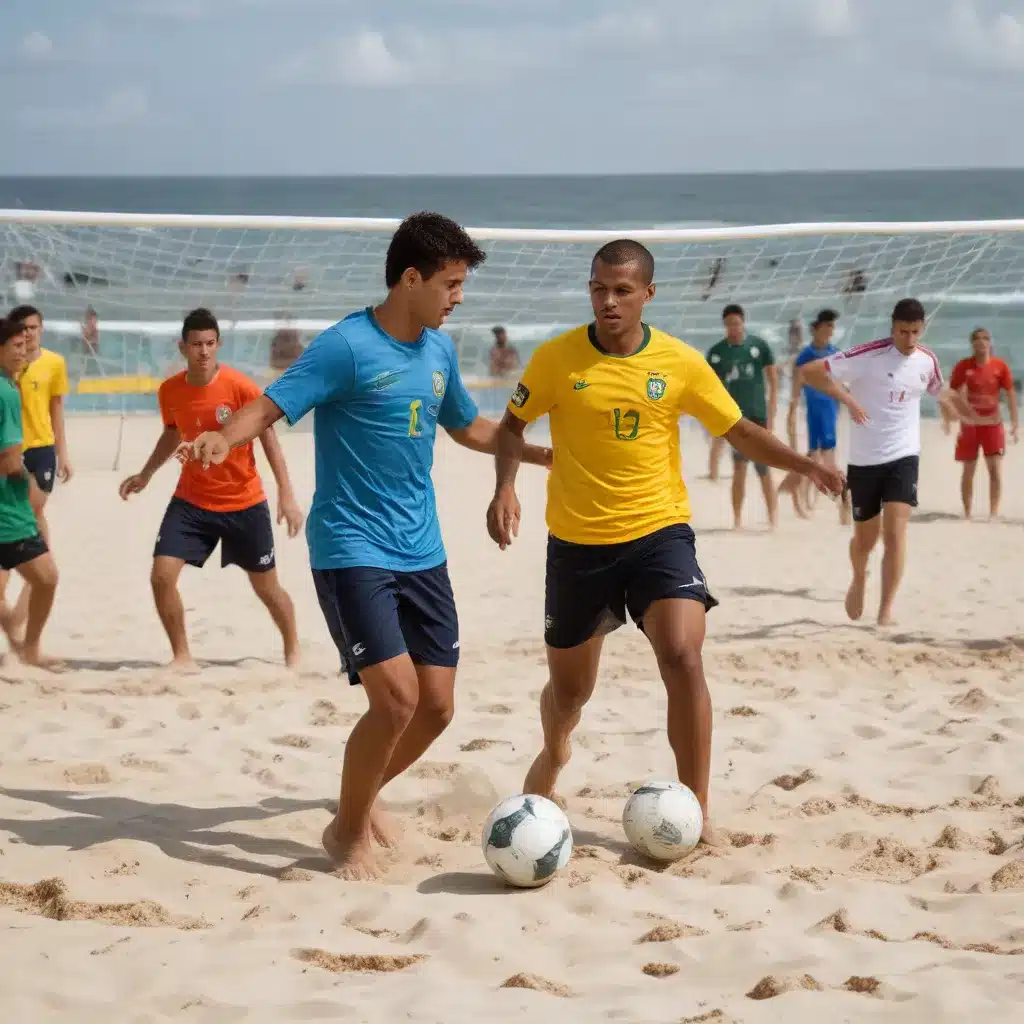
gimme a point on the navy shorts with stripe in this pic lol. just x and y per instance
(246, 537)
(42, 464)
(589, 588)
(375, 614)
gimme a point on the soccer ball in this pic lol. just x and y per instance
(526, 840)
(663, 820)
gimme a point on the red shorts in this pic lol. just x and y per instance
(990, 438)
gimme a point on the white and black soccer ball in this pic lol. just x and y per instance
(663, 820)
(527, 840)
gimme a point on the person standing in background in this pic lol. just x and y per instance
(746, 366)
(504, 357)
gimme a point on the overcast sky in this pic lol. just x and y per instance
(517, 86)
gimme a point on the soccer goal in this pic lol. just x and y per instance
(134, 276)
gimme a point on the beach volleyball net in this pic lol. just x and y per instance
(140, 273)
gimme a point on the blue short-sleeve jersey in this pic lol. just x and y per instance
(377, 403)
(818, 401)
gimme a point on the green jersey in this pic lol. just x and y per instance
(740, 368)
(17, 520)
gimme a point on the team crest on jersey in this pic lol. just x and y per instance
(223, 414)
(437, 379)
(655, 387)
(520, 395)
(755, 351)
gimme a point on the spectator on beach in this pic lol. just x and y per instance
(285, 348)
(504, 357)
(91, 343)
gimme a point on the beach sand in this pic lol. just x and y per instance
(159, 836)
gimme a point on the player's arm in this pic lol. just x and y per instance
(166, 446)
(794, 403)
(11, 464)
(818, 376)
(771, 374)
(288, 509)
(482, 435)
(1011, 405)
(61, 387)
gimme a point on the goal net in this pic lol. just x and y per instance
(132, 277)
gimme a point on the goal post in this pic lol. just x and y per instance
(263, 275)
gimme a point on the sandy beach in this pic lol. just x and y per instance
(159, 836)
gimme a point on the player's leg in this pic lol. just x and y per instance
(899, 498)
(247, 540)
(994, 447)
(715, 456)
(360, 606)
(187, 536)
(582, 602)
(771, 497)
(32, 561)
(739, 487)
(966, 453)
(865, 485)
(42, 464)
(667, 596)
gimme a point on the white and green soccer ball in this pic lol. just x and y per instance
(663, 820)
(527, 840)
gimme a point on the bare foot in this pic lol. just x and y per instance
(354, 860)
(385, 828)
(292, 657)
(183, 665)
(885, 618)
(855, 596)
(33, 656)
(715, 837)
(542, 776)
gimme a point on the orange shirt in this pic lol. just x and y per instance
(234, 484)
(983, 383)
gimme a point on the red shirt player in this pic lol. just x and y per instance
(980, 379)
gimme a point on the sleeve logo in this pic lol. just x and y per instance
(520, 395)
(437, 378)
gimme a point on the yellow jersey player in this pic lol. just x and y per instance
(618, 511)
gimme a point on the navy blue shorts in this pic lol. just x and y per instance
(821, 428)
(42, 464)
(376, 614)
(18, 552)
(191, 533)
(588, 588)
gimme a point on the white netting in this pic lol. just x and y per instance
(141, 273)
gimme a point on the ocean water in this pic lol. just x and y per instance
(141, 282)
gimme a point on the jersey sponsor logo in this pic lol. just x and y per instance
(382, 381)
(437, 379)
(655, 386)
(223, 414)
(520, 395)
(579, 385)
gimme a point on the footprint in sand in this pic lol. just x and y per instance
(342, 963)
(87, 774)
(791, 782)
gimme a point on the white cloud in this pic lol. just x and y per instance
(37, 45)
(998, 43)
(119, 107)
(365, 59)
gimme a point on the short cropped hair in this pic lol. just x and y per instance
(426, 242)
(20, 314)
(980, 330)
(200, 319)
(908, 311)
(10, 329)
(624, 251)
(825, 316)
(734, 309)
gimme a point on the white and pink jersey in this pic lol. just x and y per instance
(888, 386)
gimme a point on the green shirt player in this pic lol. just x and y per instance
(746, 366)
(22, 547)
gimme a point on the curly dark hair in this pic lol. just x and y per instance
(200, 319)
(426, 242)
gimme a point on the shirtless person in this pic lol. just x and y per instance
(224, 504)
(881, 383)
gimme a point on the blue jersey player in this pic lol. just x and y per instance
(379, 383)
(822, 412)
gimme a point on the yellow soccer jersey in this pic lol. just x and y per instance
(42, 379)
(617, 472)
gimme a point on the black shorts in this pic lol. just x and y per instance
(376, 614)
(42, 464)
(588, 588)
(191, 533)
(739, 458)
(18, 552)
(873, 486)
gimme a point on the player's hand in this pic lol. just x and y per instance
(1013, 435)
(288, 511)
(132, 485)
(210, 448)
(65, 471)
(183, 453)
(857, 414)
(503, 517)
(827, 479)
